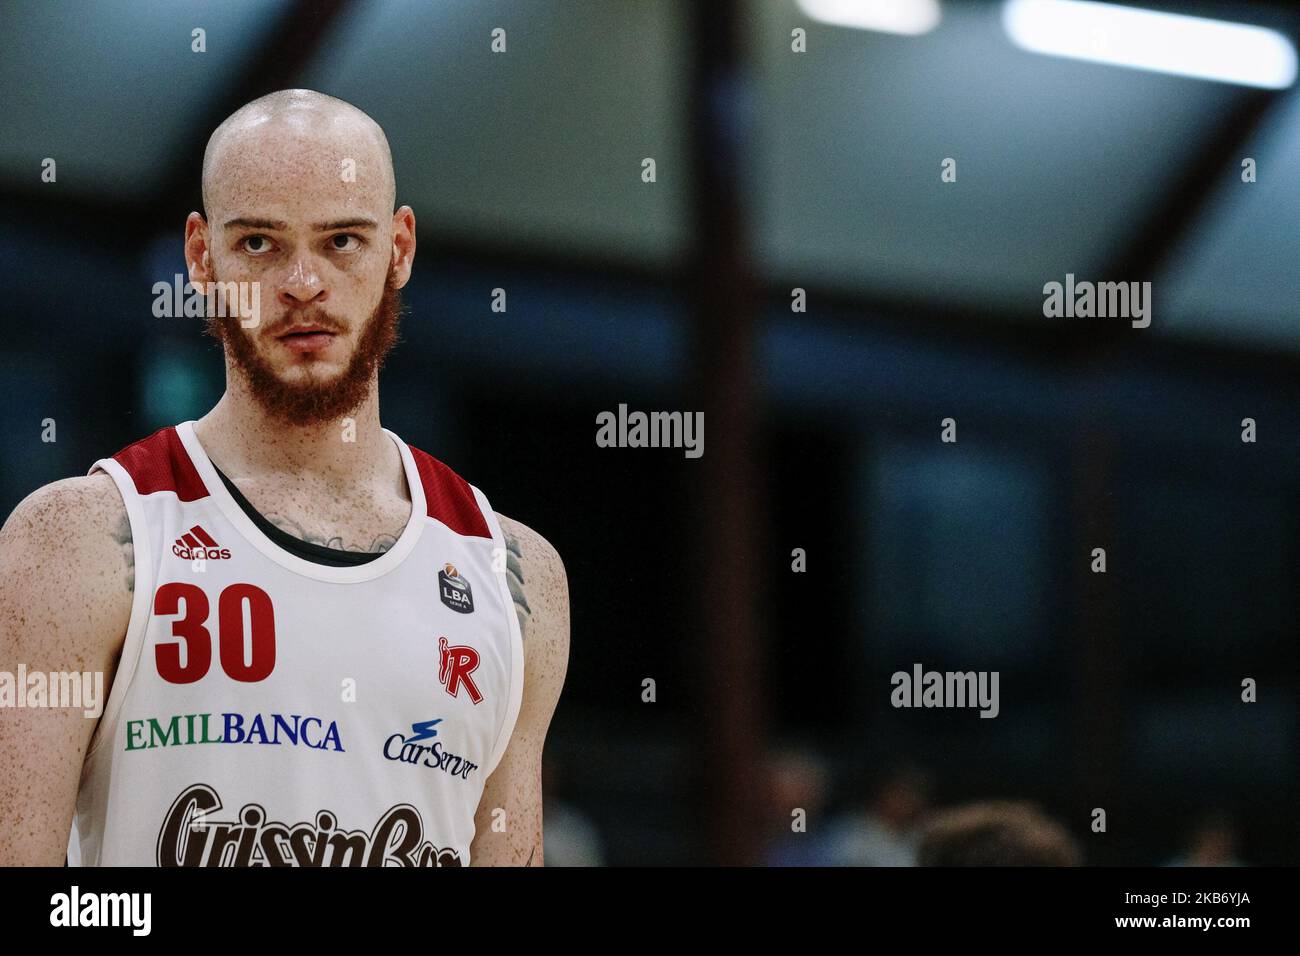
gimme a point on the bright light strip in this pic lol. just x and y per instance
(1152, 40)
(910, 17)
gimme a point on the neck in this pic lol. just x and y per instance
(243, 440)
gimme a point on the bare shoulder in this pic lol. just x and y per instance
(83, 498)
(90, 503)
(523, 533)
(67, 563)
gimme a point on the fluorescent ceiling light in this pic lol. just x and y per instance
(1152, 40)
(911, 17)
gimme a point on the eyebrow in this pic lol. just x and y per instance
(248, 222)
(356, 223)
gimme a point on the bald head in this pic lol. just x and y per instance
(297, 137)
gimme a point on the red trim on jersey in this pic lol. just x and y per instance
(449, 497)
(160, 463)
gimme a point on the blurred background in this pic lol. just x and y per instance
(775, 170)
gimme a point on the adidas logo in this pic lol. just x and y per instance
(196, 544)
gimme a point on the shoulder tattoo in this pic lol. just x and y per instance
(515, 579)
(122, 535)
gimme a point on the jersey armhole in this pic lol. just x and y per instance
(515, 699)
(145, 573)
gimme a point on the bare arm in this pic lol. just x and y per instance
(66, 580)
(541, 594)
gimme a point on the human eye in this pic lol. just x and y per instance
(345, 242)
(257, 245)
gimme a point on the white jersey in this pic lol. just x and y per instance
(272, 711)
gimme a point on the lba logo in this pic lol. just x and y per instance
(454, 590)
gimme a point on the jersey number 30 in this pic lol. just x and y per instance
(250, 663)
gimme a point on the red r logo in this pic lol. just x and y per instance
(455, 664)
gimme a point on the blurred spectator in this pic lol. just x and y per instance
(569, 836)
(884, 833)
(1213, 842)
(797, 779)
(996, 833)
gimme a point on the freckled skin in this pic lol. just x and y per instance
(67, 570)
(516, 784)
(64, 606)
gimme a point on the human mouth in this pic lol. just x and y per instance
(306, 338)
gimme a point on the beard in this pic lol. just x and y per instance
(314, 400)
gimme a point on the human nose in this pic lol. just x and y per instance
(302, 286)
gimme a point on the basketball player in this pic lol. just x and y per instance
(324, 648)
